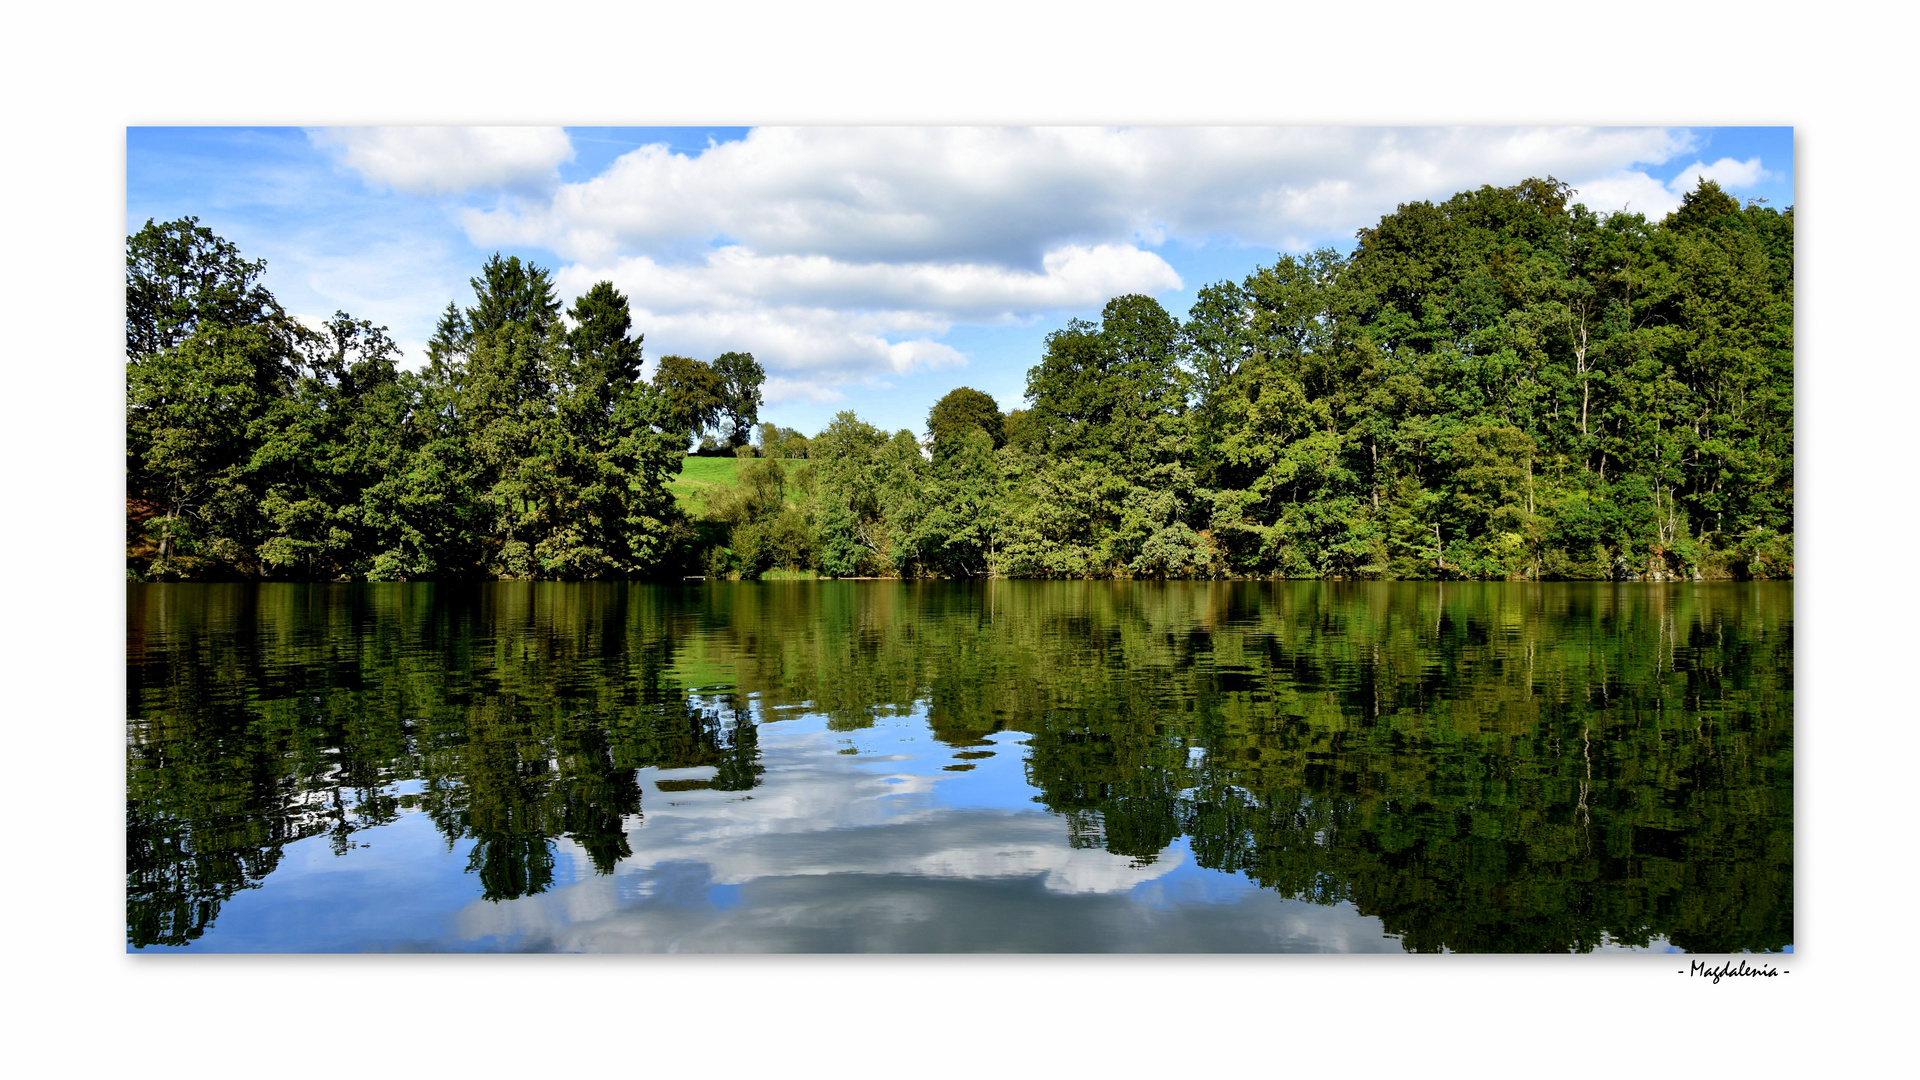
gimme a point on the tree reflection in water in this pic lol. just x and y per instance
(1485, 768)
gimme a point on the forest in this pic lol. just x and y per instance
(1502, 386)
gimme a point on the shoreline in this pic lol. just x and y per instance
(983, 580)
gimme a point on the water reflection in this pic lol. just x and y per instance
(1013, 765)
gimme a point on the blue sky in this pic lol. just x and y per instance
(867, 268)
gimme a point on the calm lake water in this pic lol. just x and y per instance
(890, 766)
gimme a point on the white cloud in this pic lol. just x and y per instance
(825, 321)
(450, 160)
(777, 390)
(1010, 196)
(807, 351)
(1638, 191)
(842, 256)
(1627, 189)
(413, 354)
(1726, 172)
(925, 295)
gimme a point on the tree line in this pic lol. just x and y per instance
(1502, 385)
(528, 446)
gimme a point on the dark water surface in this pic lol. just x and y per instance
(829, 766)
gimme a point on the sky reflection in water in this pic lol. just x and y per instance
(1002, 767)
(875, 852)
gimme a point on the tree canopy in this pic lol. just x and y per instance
(1501, 385)
(963, 410)
(258, 447)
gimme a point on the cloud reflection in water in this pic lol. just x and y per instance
(831, 854)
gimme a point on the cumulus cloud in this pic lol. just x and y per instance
(812, 349)
(449, 160)
(1638, 191)
(1726, 172)
(842, 255)
(825, 321)
(1011, 196)
(927, 295)
(780, 389)
(1627, 189)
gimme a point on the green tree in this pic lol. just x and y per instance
(693, 396)
(613, 452)
(512, 440)
(337, 434)
(509, 291)
(854, 540)
(1706, 205)
(763, 530)
(196, 413)
(740, 376)
(1112, 393)
(210, 355)
(960, 411)
(782, 442)
(181, 276)
(606, 353)
(1499, 384)
(955, 528)
(449, 342)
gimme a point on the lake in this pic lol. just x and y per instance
(936, 767)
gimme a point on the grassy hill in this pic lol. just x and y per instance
(700, 475)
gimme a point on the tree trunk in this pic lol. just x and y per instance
(1373, 448)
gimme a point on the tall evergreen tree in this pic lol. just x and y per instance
(510, 291)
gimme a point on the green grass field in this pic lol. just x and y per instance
(703, 474)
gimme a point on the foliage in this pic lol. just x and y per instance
(959, 412)
(180, 276)
(1503, 385)
(691, 393)
(257, 447)
(740, 376)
